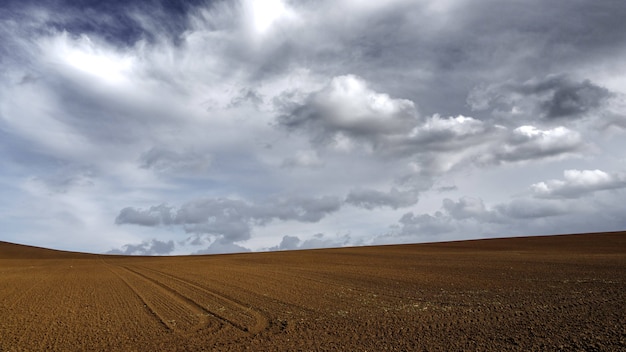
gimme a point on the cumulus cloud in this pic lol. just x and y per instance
(463, 141)
(531, 143)
(578, 183)
(348, 106)
(392, 128)
(439, 136)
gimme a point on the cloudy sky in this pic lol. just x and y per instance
(162, 127)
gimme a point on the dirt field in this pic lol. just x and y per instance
(538, 293)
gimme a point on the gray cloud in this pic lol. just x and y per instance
(574, 99)
(318, 240)
(465, 207)
(370, 199)
(554, 97)
(246, 96)
(153, 216)
(543, 210)
(348, 106)
(222, 246)
(67, 179)
(288, 243)
(437, 144)
(532, 209)
(169, 161)
(231, 219)
(152, 247)
(424, 225)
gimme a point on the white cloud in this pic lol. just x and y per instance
(528, 143)
(579, 183)
(98, 61)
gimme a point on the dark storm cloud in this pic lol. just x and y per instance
(574, 99)
(553, 97)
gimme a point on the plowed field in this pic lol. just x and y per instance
(535, 293)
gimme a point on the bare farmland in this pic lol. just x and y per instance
(519, 294)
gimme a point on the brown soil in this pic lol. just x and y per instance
(521, 294)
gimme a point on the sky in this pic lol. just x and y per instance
(188, 127)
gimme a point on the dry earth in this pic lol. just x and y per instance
(522, 294)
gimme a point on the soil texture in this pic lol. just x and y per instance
(552, 293)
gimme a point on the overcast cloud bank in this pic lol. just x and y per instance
(219, 126)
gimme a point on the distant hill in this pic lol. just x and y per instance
(20, 251)
(603, 242)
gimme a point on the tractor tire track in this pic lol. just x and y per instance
(174, 311)
(226, 309)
